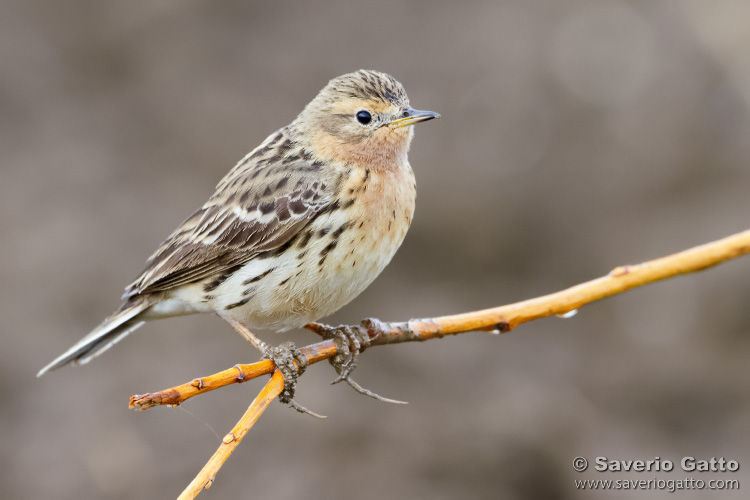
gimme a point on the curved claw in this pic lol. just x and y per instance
(350, 342)
(304, 410)
(367, 392)
(284, 357)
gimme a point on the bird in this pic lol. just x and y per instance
(297, 229)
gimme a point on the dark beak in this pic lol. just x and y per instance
(412, 116)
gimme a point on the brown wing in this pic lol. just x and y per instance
(258, 207)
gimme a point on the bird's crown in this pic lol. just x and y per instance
(366, 85)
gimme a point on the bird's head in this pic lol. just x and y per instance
(361, 117)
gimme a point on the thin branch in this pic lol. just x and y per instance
(500, 319)
(235, 375)
(206, 476)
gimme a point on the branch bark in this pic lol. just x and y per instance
(498, 319)
(501, 319)
(206, 476)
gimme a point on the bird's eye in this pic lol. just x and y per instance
(364, 117)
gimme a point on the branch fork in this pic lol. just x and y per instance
(372, 332)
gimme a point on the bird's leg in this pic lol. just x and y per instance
(249, 336)
(284, 357)
(350, 342)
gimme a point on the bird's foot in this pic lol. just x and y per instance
(350, 342)
(284, 357)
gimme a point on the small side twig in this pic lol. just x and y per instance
(205, 477)
(235, 375)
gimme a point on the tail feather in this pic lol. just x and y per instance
(112, 330)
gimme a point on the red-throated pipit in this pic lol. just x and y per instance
(296, 230)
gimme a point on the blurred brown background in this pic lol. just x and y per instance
(576, 136)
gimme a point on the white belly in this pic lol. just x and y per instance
(348, 250)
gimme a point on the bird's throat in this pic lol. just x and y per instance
(385, 150)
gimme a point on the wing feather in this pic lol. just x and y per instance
(259, 206)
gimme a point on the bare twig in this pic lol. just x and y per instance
(235, 375)
(205, 477)
(499, 319)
